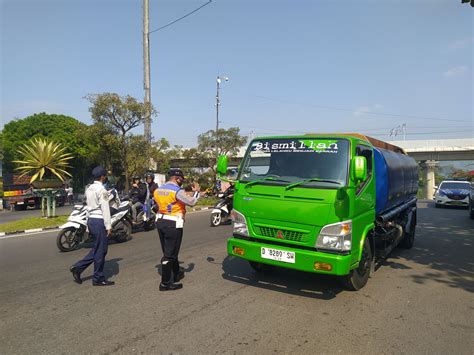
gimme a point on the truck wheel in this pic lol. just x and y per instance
(409, 238)
(359, 277)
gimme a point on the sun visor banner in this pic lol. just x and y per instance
(296, 146)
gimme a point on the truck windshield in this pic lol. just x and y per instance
(321, 161)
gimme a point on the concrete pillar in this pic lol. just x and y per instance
(430, 166)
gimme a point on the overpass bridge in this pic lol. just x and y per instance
(427, 152)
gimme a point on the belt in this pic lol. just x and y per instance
(168, 217)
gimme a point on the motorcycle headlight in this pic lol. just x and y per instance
(239, 223)
(337, 236)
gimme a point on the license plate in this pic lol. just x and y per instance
(279, 255)
(20, 203)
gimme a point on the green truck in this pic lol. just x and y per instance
(325, 203)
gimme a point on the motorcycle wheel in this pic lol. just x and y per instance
(68, 239)
(122, 232)
(216, 219)
(149, 225)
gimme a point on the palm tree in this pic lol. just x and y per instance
(43, 158)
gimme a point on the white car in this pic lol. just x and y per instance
(452, 193)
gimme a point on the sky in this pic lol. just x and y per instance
(295, 66)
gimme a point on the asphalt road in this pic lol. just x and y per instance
(419, 301)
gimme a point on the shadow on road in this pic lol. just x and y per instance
(445, 244)
(188, 268)
(111, 269)
(281, 280)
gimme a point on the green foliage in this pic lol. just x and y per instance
(58, 128)
(43, 158)
(32, 223)
(117, 116)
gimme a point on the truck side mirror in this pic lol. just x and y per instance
(359, 169)
(222, 165)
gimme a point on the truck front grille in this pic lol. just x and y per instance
(283, 234)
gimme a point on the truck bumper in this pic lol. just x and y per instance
(304, 259)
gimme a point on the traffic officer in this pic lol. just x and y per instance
(99, 225)
(172, 201)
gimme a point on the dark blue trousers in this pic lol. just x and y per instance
(97, 254)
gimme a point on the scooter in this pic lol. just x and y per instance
(74, 232)
(221, 211)
(143, 220)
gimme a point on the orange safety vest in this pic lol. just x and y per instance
(165, 197)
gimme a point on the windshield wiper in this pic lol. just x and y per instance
(263, 180)
(311, 180)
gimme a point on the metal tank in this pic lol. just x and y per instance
(396, 179)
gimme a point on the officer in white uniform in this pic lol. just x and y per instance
(99, 224)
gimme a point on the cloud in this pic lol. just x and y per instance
(360, 111)
(460, 43)
(456, 71)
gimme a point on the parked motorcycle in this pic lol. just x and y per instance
(74, 232)
(221, 211)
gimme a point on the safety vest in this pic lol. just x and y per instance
(165, 197)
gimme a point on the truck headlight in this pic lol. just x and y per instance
(337, 236)
(239, 223)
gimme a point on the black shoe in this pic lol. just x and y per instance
(103, 283)
(170, 287)
(76, 274)
(179, 276)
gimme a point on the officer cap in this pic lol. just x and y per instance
(176, 172)
(98, 172)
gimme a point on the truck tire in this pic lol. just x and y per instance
(358, 277)
(408, 238)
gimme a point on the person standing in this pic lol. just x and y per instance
(172, 201)
(70, 195)
(99, 224)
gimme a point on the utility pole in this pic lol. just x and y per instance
(146, 70)
(218, 100)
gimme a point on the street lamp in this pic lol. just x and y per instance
(218, 101)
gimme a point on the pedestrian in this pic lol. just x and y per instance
(172, 200)
(99, 225)
(70, 195)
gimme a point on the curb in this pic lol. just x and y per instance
(35, 230)
(26, 231)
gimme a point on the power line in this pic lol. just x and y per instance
(266, 129)
(181, 18)
(352, 110)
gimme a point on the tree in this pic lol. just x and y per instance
(43, 158)
(211, 146)
(120, 114)
(66, 130)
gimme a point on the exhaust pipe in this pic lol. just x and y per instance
(384, 218)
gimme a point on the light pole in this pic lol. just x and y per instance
(218, 100)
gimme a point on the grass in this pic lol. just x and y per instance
(207, 201)
(32, 223)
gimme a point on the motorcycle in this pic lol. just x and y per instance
(221, 212)
(146, 215)
(75, 232)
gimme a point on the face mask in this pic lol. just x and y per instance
(179, 181)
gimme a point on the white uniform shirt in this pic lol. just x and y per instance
(97, 199)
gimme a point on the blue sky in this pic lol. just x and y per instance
(294, 66)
